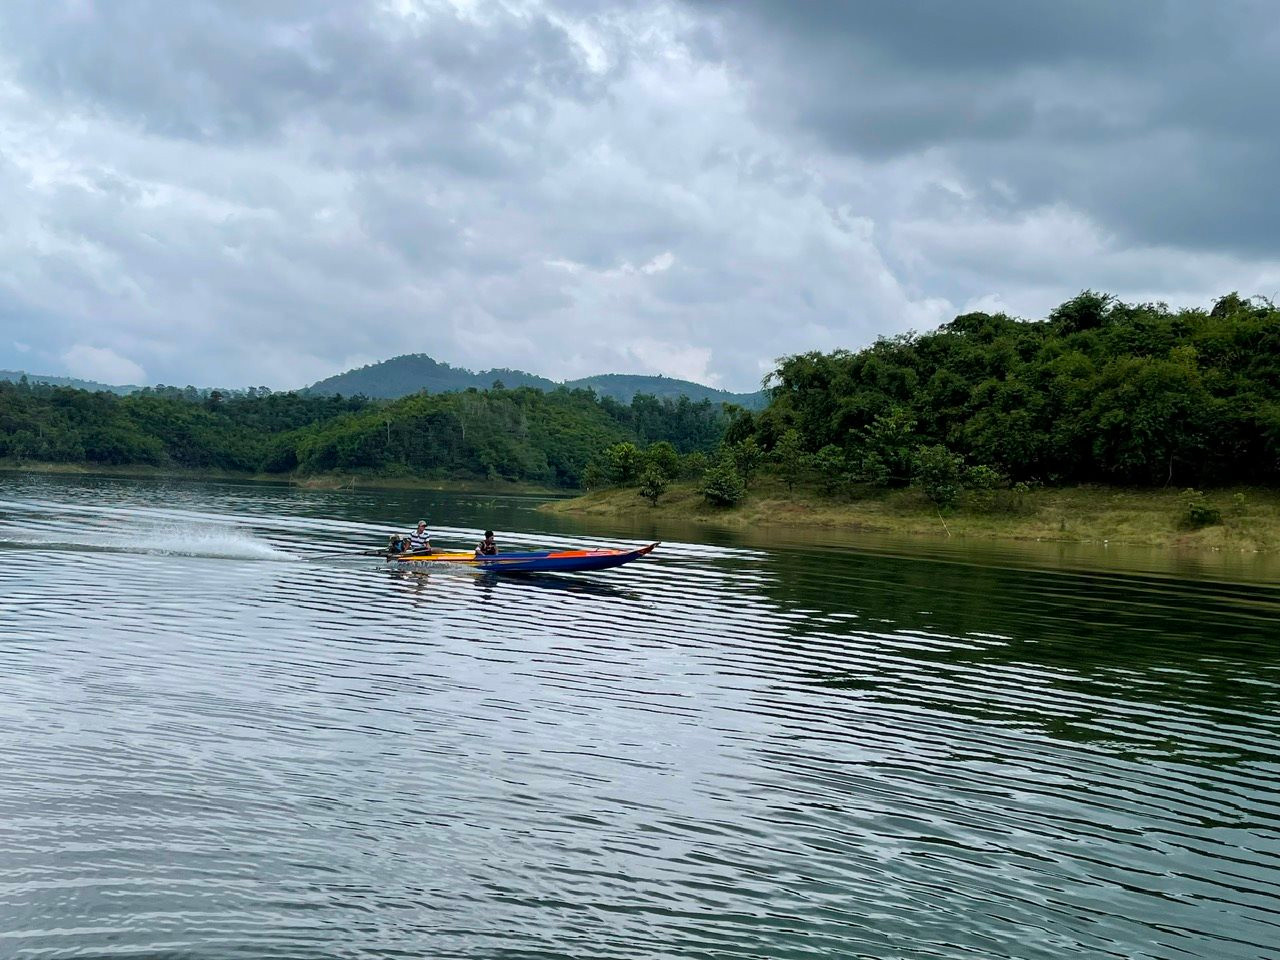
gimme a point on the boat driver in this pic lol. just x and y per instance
(420, 540)
(487, 547)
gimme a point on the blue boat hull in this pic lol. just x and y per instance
(537, 561)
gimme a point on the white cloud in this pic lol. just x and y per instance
(679, 360)
(661, 262)
(102, 364)
(567, 189)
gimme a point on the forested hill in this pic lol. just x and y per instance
(525, 435)
(401, 376)
(15, 376)
(405, 375)
(623, 387)
(1100, 391)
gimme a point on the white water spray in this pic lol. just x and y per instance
(200, 541)
(163, 539)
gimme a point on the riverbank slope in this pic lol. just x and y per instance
(1249, 517)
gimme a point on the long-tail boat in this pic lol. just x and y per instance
(532, 561)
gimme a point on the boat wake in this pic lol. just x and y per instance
(170, 540)
(207, 541)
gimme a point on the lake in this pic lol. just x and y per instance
(220, 741)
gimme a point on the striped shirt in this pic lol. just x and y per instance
(419, 540)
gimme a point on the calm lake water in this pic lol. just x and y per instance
(216, 742)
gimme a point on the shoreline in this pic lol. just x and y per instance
(1082, 515)
(1068, 515)
(323, 481)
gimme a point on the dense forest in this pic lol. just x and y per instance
(1100, 391)
(524, 434)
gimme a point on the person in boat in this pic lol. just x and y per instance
(488, 547)
(420, 539)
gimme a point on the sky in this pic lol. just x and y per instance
(240, 193)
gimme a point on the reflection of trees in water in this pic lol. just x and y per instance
(1051, 649)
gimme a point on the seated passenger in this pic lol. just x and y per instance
(420, 540)
(487, 547)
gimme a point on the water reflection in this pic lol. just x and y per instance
(486, 582)
(251, 748)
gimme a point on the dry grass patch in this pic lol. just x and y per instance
(1250, 517)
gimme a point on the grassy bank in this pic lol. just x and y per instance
(1076, 514)
(317, 481)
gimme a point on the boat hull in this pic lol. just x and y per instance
(538, 561)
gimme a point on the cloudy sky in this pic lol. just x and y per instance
(240, 192)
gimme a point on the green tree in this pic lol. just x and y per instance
(889, 447)
(747, 457)
(1099, 391)
(653, 484)
(595, 476)
(742, 425)
(694, 465)
(721, 486)
(831, 467)
(939, 472)
(662, 457)
(788, 455)
(624, 463)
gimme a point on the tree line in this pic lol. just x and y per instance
(524, 434)
(1098, 392)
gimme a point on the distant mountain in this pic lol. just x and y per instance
(91, 385)
(401, 376)
(408, 374)
(624, 386)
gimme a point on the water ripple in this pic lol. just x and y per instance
(222, 740)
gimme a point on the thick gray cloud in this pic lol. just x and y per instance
(1156, 117)
(233, 193)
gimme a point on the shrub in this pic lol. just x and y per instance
(983, 477)
(721, 485)
(982, 482)
(1197, 511)
(1013, 500)
(939, 473)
